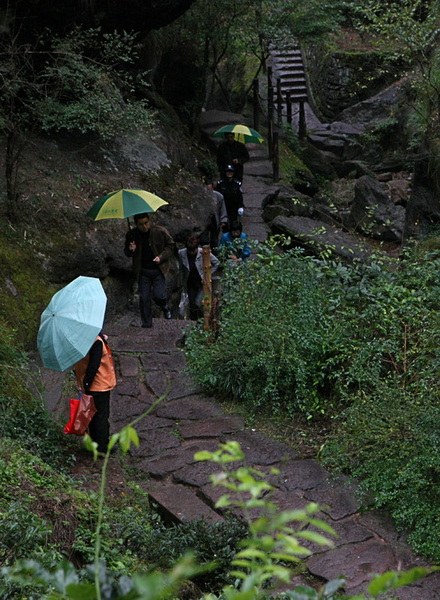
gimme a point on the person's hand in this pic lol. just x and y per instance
(240, 212)
(156, 259)
(235, 160)
(132, 246)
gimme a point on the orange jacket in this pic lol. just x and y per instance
(105, 378)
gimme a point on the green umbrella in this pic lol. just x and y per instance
(242, 133)
(125, 203)
(71, 322)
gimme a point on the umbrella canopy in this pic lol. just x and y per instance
(125, 203)
(242, 133)
(71, 322)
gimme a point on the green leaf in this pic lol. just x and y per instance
(127, 436)
(81, 591)
(331, 587)
(395, 579)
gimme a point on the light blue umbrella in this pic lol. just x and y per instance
(71, 322)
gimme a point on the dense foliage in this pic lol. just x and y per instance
(270, 339)
(83, 83)
(359, 344)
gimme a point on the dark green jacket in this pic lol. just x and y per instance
(161, 243)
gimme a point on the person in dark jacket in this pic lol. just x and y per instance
(232, 152)
(95, 375)
(151, 247)
(230, 188)
(219, 219)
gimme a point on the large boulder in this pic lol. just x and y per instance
(318, 237)
(376, 109)
(286, 201)
(423, 211)
(374, 213)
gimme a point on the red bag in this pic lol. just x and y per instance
(82, 410)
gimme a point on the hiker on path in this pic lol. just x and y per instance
(95, 375)
(230, 188)
(219, 221)
(151, 248)
(191, 269)
(234, 244)
(232, 152)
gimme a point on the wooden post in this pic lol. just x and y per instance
(302, 126)
(256, 103)
(270, 110)
(207, 288)
(276, 158)
(279, 103)
(289, 110)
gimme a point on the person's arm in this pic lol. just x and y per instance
(245, 251)
(95, 355)
(240, 201)
(223, 212)
(167, 243)
(214, 263)
(129, 238)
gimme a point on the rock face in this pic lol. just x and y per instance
(60, 186)
(374, 213)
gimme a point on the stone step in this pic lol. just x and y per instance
(294, 95)
(285, 54)
(293, 85)
(287, 64)
(179, 504)
(289, 74)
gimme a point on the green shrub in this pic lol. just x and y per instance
(383, 325)
(209, 543)
(383, 359)
(270, 341)
(391, 443)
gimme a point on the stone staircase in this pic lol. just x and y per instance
(289, 82)
(287, 66)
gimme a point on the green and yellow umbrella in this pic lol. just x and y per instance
(125, 203)
(242, 133)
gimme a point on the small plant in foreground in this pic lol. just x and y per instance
(265, 555)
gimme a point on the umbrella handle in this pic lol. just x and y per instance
(128, 223)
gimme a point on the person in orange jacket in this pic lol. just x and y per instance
(95, 375)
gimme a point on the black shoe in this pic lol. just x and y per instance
(167, 313)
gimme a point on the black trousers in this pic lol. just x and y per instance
(151, 287)
(99, 428)
(195, 289)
